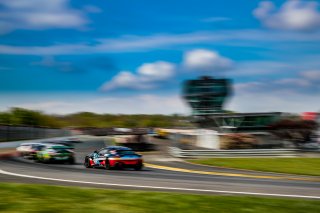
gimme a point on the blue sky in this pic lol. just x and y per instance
(131, 56)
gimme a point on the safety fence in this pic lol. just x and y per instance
(13, 133)
(176, 152)
(113, 131)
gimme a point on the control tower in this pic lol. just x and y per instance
(206, 95)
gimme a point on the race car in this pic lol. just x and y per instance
(29, 150)
(49, 153)
(61, 142)
(114, 157)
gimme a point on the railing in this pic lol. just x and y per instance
(176, 152)
(14, 133)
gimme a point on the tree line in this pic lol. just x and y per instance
(26, 117)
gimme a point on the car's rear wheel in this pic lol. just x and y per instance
(87, 163)
(138, 167)
(71, 160)
(49, 160)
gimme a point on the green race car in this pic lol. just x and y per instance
(55, 153)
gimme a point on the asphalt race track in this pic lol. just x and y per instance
(162, 173)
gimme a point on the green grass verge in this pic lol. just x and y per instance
(302, 166)
(43, 198)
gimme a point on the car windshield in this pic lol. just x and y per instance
(57, 148)
(125, 152)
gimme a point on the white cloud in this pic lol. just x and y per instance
(160, 70)
(145, 43)
(297, 82)
(39, 14)
(309, 78)
(242, 101)
(295, 94)
(124, 79)
(206, 60)
(49, 61)
(293, 15)
(249, 86)
(312, 75)
(264, 9)
(260, 68)
(276, 101)
(305, 82)
(71, 103)
(148, 76)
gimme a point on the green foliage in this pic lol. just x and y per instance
(294, 129)
(19, 116)
(120, 120)
(42, 198)
(5, 118)
(24, 117)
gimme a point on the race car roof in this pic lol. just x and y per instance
(118, 148)
(27, 144)
(56, 146)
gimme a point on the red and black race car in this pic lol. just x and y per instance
(114, 157)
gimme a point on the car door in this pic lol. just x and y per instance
(99, 157)
(94, 157)
(41, 152)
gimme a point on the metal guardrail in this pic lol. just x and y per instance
(14, 144)
(176, 152)
(15, 133)
(114, 131)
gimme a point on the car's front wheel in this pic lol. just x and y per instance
(107, 165)
(138, 167)
(37, 160)
(87, 163)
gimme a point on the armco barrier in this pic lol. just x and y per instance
(15, 133)
(14, 144)
(176, 152)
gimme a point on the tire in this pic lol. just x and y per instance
(107, 165)
(47, 161)
(138, 167)
(39, 159)
(87, 163)
(71, 161)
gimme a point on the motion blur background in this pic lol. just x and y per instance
(182, 79)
